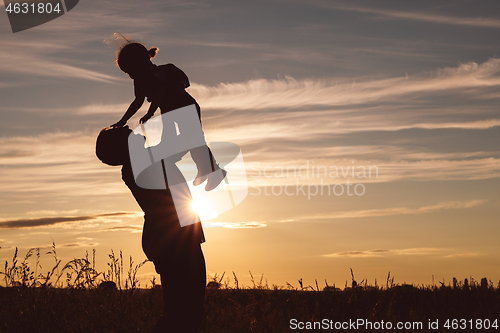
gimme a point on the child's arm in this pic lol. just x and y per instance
(151, 111)
(132, 109)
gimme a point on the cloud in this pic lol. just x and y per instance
(296, 94)
(396, 210)
(235, 225)
(427, 17)
(334, 165)
(77, 111)
(85, 243)
(322, 110)
(102, 109)
(419, 16)
(279, 123)
(84, 24)
(52, 212)
(279, 108)
(131, 228)
(40, 65)
(359, 254)
(238, 45)
(463, 255)
(49, 221)
(314, 126)
(385, 252)
(55, 163)
(64, 165)
(417, 251)
(4, 244)
(479, 124)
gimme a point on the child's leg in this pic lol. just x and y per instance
(206, 164)
(202, 157)
(207, 168)
(204, 160)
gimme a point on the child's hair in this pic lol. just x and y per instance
(134, 56)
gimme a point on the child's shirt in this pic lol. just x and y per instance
(164, 85)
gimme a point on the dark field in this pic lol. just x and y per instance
(242, 310)
(73, 299)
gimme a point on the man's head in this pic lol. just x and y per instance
(112, 145)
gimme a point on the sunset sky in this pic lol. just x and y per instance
(405, 94)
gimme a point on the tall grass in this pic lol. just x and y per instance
(87, 300)
(77, 273)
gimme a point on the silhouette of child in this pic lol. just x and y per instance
(164, 86)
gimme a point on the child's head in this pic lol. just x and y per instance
(133, 57)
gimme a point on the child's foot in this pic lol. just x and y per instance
(215, 178)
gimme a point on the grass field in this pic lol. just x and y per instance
(73, 298)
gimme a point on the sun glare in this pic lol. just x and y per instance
(204, 209)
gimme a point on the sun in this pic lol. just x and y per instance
(203, 208)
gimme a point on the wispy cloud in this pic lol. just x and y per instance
(366, 164)
(463, 255)
(296, 94)
(419, 16)
(50, 221)
(314, 126)
(5, 244)
(237, 45)
(235, 225)
(52, 212)
(39, 65)
(286, 115)
(479, 124)
(396, 210)
(79, 244)
(130, 228)
(55, 163)
(291, 129)
(286, 105)
(102, 109)
(357, 254)
(59, 165)
(417, 251)
(107, 17)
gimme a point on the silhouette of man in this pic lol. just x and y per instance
(174, 250)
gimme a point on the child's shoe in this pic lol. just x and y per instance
(199, 179)
(215, 178)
